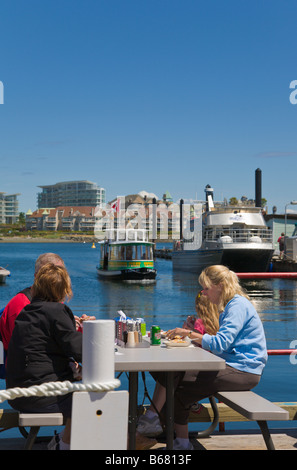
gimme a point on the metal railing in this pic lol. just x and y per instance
(239, 235)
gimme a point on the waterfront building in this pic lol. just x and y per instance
(281, 223)
(139, 213)
(9, 208)
(67, 218)
(71, 193)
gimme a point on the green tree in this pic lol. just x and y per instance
(263, 202)
(233, 201)
(22, 218)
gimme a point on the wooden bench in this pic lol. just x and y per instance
(14, 419)
(35, 421)
(242, 406)
(255, 408)
(205, 414)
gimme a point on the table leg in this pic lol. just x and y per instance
(133, 392)
(169, 409)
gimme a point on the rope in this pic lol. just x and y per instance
(56, 388)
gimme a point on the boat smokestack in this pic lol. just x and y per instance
(209, 197)
(208, 191)
(258, 188)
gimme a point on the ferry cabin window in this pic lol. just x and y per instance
(101, 252)
(114, 252)
(131, 252)
(146, 252)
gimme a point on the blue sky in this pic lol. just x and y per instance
(151, 95)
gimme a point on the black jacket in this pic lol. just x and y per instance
(43, 340)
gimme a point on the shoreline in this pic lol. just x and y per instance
(70, 239)
(44, 240)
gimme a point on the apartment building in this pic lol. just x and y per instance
(71, 193)
(9, 208)
(76, 218)
(165, 219)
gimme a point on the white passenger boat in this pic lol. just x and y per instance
(236, 237)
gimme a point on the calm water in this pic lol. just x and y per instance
(166, 303)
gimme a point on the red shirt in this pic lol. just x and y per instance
(11, 311)
(199, 327)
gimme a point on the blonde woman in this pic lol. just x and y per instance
(206, 321)
(240, 340)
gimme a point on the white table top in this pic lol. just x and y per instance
(162, 358)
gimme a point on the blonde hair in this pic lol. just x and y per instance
(52, 283)
(208, 312)
(221, 275)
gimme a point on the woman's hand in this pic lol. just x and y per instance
(80, 320)
(189, 323)
(76, 370)
(177, 332)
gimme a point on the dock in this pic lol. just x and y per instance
(283, 265)
(163, 253)
(284, 439)
(246, 437)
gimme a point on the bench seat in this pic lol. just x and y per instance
(15, 419)
(256, 408)
(229, 415)
(40, 419)
(35, 421)
(253, 406)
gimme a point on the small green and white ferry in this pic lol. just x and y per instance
(127, 255)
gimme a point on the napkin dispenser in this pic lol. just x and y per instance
(128, 333)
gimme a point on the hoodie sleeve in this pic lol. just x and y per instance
(231, 324)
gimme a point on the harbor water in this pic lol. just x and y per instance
(166, 303)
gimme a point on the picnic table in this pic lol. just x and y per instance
(166, 359)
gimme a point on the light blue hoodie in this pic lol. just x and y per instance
(240, 339)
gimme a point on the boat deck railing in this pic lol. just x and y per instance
(238, 235)
(127, 235)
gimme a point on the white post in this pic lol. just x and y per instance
(99, 419)
(98, 351)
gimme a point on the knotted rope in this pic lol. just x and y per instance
(57, 388)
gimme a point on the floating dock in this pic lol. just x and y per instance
(163, 253)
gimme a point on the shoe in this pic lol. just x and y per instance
(149, 427)
(178, 446)
(144, 443)
(54, 444)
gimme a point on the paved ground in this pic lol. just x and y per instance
(284, 439)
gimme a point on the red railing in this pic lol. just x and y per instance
(281, 352)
